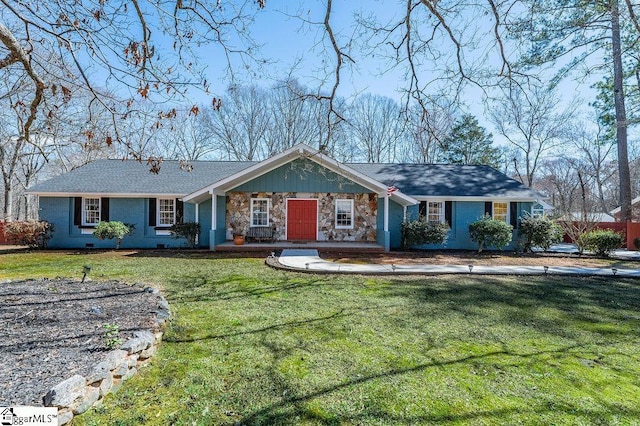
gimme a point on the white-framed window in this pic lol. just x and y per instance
(344, 214)
(435, 211)
(90, 211)
(501, 211)
(537, 211)
(259, 212)
(166, 211)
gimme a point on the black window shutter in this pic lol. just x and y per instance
(448, 207)
(422, 209)
(152, 212)
(77, 211)
(179, 211)
(104, 210)
(488, 208)
(513, 214)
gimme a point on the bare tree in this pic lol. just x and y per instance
(597, 163)
(587, 37)
(117, 52)
(239, 130)
(376, 127)
(533, 122)
(293, 117)
(427, 131)
(186, 139)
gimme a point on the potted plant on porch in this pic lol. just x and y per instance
(239, 228)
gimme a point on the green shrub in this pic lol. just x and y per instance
(419, 232)
(601, 241)
(489, 232)
(187, 230)
(539, 232)
(112, 230)
(636, 243)
(32, 233)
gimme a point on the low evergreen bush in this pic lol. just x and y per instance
(489, 232)
(420, 232)
(539, 232)
(601, 241)
(112, 230)
(187, 230)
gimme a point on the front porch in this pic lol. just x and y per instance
(323, 246)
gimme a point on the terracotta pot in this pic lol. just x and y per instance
(238, 240)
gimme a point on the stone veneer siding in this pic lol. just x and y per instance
(365, 209)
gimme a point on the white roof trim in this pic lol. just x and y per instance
(104, 194)
(470, 198)
(619, 208)
(298, 151)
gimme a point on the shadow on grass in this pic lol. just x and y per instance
(292, 407)
(586, 299)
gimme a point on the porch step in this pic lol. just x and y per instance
(321, 246)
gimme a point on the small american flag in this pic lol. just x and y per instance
(391, 190)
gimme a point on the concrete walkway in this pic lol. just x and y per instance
(310, 261)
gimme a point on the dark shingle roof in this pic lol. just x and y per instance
(446, 180)
(131, 177)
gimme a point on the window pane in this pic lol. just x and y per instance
(91, 210)
(344, 214)
(165, 211)
(259, 212)
(500, 211)
(435, 212)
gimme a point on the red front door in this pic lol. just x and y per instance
(302, 219)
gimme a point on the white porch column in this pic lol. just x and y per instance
(387, 235)
(212, 232)
(197, 220)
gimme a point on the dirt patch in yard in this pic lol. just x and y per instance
(53, 329)
(462, 257)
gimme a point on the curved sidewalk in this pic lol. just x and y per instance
(310, 261)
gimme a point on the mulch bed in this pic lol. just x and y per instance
(53, 329)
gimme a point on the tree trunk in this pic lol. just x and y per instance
(7, 212)
(621, 116)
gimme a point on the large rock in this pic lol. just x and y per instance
(115, 358)
(105, 385)
(66, 393)
(135, 345)
(146, 336)
(64, 417)
(99, 372)
(91, 395)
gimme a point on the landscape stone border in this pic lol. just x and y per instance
(77, 394)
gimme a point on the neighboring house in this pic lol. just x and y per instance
(301, 193)
(591, 217)
(635, 211)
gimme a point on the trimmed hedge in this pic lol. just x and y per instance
(32, 233)
(419, 232)
(489, 232)
(601, 241)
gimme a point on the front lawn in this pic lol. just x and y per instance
(252, 345)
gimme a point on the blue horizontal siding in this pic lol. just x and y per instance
(463, 214)
(59, 212)
(301, 176)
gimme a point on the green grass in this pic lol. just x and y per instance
(251, 345)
